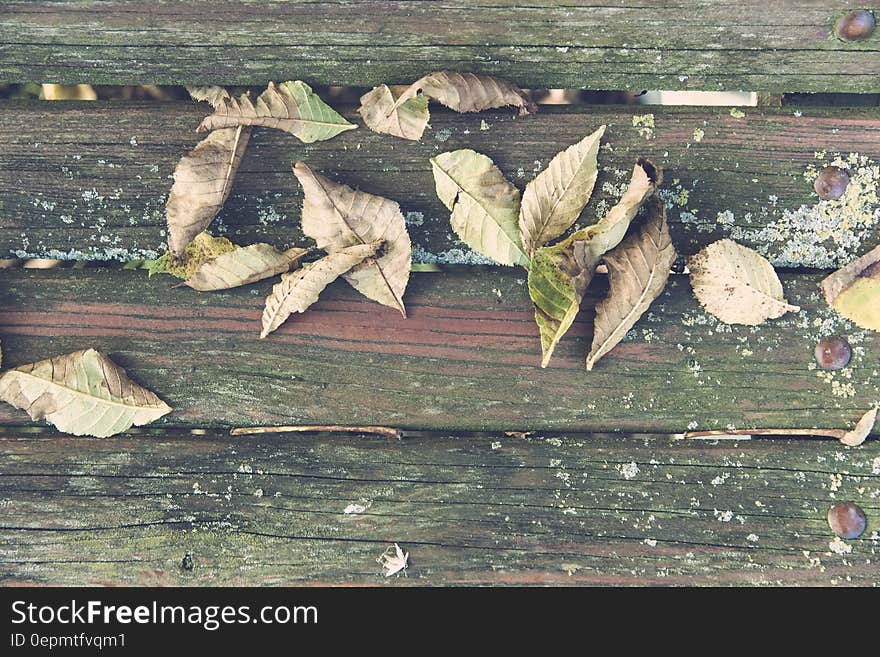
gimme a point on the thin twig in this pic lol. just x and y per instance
(303, 428)
(829, 433)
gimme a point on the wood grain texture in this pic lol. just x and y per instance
(485, 509)
(599, 44)
(467, 357)
(90, 179)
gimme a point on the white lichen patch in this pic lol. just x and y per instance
(644, 125)
(838, 546)
(699, 133)
(414, 218)
(737, 113)
(628, 470)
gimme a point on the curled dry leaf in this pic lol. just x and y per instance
(560, 274)
(638, 270)
(291, 106)
(300, 289)
(737, 285)
(83, 393)
(382, 114)
(202, 181)
(862, 429)
(403, 111)
(337, 216)
(484, 205)
(209, 94)
(243, 266)
(554, 200)
(203, 248)
(854, 291)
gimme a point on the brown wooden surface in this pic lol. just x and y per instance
(90, 179)
(597, 44)
(484, 509)
(467, 357)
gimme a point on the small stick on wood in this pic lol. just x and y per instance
(829, 433)
(304, 428)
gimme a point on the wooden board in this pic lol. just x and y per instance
(485, 509)
(600, 44)
(467, 358)
(89, 180)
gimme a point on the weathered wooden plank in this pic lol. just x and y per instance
(616, 44)
(465, 359)
(89, 179)
(469, 509)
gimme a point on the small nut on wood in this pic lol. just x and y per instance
(856, 25)
(847, 520)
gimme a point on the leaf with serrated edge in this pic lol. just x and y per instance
(202, 180)
(554, 200)
(737, 285)
(854, 291)
(638, 269)
(337, 216)
(300, 289)
(469, 92)
(83, 393)
(243, 266)
(380, 113)
(560, 274)
(291, 106)
(208, 94)
(863, 427)
(484, 204)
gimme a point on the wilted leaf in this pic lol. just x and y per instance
(202, 181)
(291, 106)
(203, 248)
(737, 285)
(381, 113)
(553, 201)
(560, 274)
(863, 427)
(484, 205)
(209, 94)
(83, 393)
(337, 216)
(854, 291)
(469, 92)
(242, 266)
(300, 289)
(638, 270)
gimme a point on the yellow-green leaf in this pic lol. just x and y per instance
(300, 289)
(560, 274)
(382, 114)
(203, 248)
(638, 270)
(83, 393)
(554, 200)
(243, 266)
(854, 291)
(484, 205)
(291, 106)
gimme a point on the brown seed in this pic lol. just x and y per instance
(833, 353)
(847, 520)
(856, 25)
(831, 183)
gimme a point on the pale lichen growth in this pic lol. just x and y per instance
(737, 113)
(644, 125)
(699, 133)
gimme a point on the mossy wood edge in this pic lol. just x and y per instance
(752, 44)
(467, 357)
(89, 179)
(485, 509)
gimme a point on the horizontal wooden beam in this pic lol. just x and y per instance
(88, 180)
(618, 44)
(488, 509)
(467, 358)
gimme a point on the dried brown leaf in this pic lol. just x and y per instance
(83, 393)
(469, 92)
(737, 285)
(202, 181)
(243, 266)
(382, 114)
(337, 216)
(638, 270)
(300, 289)
(854, 291)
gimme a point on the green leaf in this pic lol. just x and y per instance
(554, 200)
(560, 274)
(485, 206)
(291, 106)
(854, 291)
(382, 114)
(83, 393)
